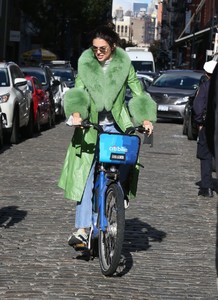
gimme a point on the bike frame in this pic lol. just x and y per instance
(101, 199)
(101, 184)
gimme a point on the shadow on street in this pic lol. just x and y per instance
(139, 236)
(11, 215)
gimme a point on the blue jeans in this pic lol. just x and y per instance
(83, 218)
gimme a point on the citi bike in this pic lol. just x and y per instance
(106, 235)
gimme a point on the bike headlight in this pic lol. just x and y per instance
(182, 100)
(4, 98)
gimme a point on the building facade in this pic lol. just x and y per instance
(136, 26)
(10, 22)
(187, 32)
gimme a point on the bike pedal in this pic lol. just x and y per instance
(80, 247)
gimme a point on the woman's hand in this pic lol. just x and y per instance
(77, 120)
(148, 127)
(74, 120)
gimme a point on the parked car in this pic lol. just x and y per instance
(172, 90)
(63, 69)
(42, 108)
(145, 80)
(190, 127)
(62, 88)
(49, 84)
(15, 102)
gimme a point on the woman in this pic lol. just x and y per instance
(104, 71)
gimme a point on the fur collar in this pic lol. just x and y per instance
(104, 87)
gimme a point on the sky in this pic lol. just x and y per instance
(127, 4)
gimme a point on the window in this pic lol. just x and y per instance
(4, 80)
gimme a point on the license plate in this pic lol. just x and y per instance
(163, 107)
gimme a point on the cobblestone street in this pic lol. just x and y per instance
(170, 239)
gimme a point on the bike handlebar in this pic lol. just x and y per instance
(130, 130)
(87, 124)
(148, 139)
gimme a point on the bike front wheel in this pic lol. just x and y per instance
(111, 241)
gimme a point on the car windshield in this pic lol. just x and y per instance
(4, 80)
(143, 66)
(41, 77)
(177, 81)
(64, 74)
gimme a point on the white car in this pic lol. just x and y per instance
(15, 102)
(59, 98)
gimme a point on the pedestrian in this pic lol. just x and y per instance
(203, 153)
(104, 71)
(212, 117)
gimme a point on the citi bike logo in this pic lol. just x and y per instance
(118, 149)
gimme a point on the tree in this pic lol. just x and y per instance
(65, 25)
(155, 49)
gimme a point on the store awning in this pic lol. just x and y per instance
(39, 54)
(190, 36)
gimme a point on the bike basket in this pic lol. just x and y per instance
(118, 148)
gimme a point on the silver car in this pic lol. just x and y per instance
(172, 90)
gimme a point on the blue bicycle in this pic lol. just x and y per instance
(107, 232)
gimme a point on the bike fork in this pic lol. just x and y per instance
(101, 200)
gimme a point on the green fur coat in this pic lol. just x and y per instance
(94, 91)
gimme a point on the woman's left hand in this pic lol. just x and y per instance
(148, 127)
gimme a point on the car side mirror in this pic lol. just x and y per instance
(20, 82)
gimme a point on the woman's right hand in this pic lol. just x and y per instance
(74, 120)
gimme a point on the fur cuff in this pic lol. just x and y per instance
(76, 100)
(143, 108)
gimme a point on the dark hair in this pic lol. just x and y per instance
(106, 33)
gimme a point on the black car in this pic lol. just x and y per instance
(172, 90)
(44, 74)
(145, 81)
(63, 69)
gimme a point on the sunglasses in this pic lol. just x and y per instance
(103, 49)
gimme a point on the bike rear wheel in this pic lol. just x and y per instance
(111, 241)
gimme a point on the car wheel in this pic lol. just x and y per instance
(61, 115)
(15, 132)
(53, 118)
(184, 128)
(49, 124)
(190, 134)
(29, 129)
(1, 133)
(37, 124)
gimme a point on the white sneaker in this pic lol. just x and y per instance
(78, 237)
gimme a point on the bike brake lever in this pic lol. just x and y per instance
(148, 139)
(130, 130)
